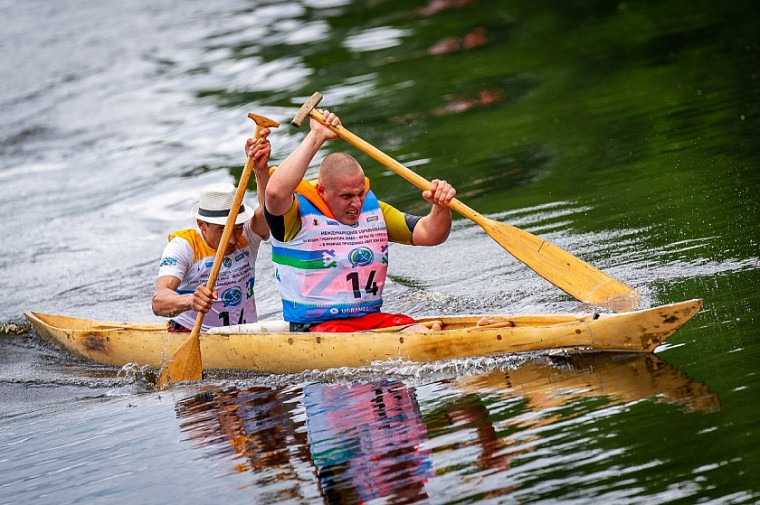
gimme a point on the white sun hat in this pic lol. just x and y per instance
(215, 203)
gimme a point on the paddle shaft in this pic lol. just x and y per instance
(569, 273)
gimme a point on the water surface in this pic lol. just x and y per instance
(624, 132)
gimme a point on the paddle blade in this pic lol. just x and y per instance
(184, 365)
(569, 273)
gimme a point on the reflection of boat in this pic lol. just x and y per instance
(255, 426)
(355, 443)
(349, 443)
(117, 343)
(620, 378)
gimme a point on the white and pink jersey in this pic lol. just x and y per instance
(188, 258)
(330, 270)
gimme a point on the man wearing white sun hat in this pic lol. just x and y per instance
(186, 262)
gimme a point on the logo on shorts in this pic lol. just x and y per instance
(231, 297)
(361, 256)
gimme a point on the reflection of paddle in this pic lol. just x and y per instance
(567, 272)
(185, 363)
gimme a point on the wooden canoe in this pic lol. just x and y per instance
(118, 343)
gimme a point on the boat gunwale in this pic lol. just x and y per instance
(631, 332)
(463, 322)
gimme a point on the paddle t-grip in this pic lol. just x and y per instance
(262, 122)
(306, 109)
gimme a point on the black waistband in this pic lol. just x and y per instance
(174, 325)
(300, 327)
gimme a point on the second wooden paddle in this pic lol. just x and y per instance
(185, 364)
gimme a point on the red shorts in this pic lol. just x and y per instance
(366, 322)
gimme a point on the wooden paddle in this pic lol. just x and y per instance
(185, 363)
(569, 273)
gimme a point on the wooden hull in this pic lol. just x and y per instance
(116, 343)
